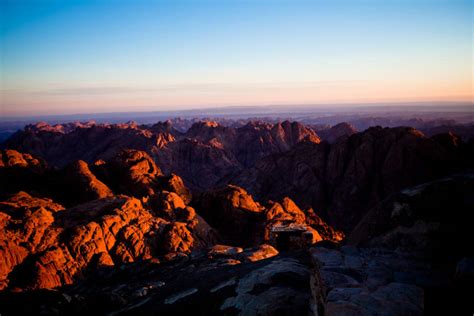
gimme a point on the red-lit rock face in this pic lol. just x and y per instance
(13, 158)
(202, 156)
(242, 221)
(47, 245)
(62, 244)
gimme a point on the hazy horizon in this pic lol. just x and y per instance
(375, 107)
(61, 58)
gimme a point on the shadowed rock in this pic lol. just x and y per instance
(134, 172)
(345, 179)
(77, 184)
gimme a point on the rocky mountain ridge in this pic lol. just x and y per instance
(344, 179)
(121, 211)
(192, 154)
(261, 229)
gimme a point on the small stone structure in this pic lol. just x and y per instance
(290, 236)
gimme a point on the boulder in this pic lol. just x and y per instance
(135, 173)
(234, 213)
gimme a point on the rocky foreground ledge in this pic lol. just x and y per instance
(411, 255)
(355, 281)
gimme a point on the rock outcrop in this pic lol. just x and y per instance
(133, 172)
(25, 228)
(243, 221)
(366, 282)
(430, 218)
(203, 155)
(19, 171)
(77, 184)
(85, 142)
(465, 131)
(200, 164)
(234, 213)
(13, 158)
(53, 247)
(175, 184)
(48, 245)
(333, 133)
(345, 179)
(404, 257)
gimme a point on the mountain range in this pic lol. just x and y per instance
(128, 218)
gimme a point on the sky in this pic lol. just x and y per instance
(64, 57)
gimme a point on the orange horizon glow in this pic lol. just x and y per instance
(60, 58)
(112, 100)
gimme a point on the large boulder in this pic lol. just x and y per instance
(25, 228)
(234, 213)
(12, 158)
(76, 184)
(133, 172)
(174, 183)
(20, 171)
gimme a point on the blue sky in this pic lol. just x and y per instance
(99, 56)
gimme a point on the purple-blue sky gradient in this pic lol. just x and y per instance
(98, 56)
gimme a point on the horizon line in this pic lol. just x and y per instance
(301, 106)
(320, 105)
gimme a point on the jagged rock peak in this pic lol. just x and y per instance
(331, 134)
(198, 126)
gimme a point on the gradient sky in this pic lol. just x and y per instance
(99, 56)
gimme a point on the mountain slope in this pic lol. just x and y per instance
(344, 179)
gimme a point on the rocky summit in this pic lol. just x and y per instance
(243, 218)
